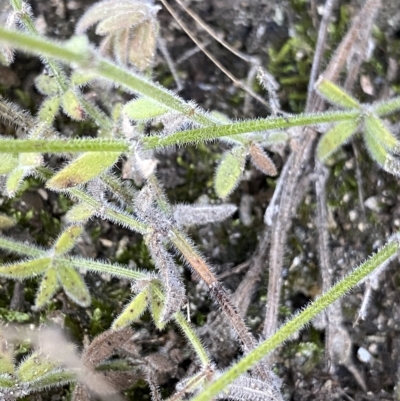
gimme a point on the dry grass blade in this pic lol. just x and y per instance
(202, 47)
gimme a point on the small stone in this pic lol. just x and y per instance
(363, 355)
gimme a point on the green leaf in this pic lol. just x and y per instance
(8, 163)
(82, 169)
(67, 240)
(47, 85)
(48, 109)
(29, 268)
(14, 316)
(335, 137)
(48, 287)
(375, 148)
(79, 213)
(14, 180)
(377, 128)
(157, 306)
(144, 109)
(33, 368)
(71, 106)
(229, 171)
(80, 78)
(336, 95)
(73, 285)
(53, 379)
(133, 310)
(6, 381)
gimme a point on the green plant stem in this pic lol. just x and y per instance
(20, 248)
(103, 267)
(62, 146)
(217, 131)
(82, 55)
(299, 320)
(123, 272)
(106, 211)
(193, 338)
(26, 20)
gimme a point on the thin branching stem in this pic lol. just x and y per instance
(300, 320)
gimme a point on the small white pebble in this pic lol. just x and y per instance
(353, 215)
(373, 204)
(363, 355)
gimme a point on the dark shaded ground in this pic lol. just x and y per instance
(362, 213)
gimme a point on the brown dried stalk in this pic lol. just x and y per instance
(299, 163)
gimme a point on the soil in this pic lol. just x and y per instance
(363, 201)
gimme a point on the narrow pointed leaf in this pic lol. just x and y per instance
(67, 240)
(377, 128)
(48, 287)
(83, 169)
(336, 95)
(230, 171)
(25, 269)
(33, 368)
(14, 180)
(49, 109)
(73, 285)
(337, 136)
(8, 163)
(79, 213)
(144, 109)
(392, 165)
(133, 310)
(375, 148)
(56, 378)
(262, 161)
(71, 106)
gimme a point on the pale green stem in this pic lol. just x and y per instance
(20, 248)
(101, 119)
(117, 216)
(89, 60)
(30, 27)
(217, 131)
(62, 146)
(126, 194)
(193, 338)
(107, 212)
(299, 320)
(103, 267)
(123, 272)
(93, 111)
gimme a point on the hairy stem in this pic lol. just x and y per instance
(298, 321)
